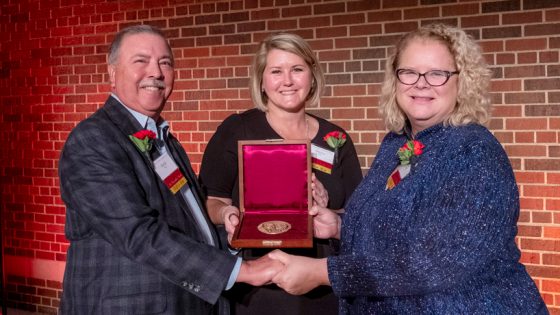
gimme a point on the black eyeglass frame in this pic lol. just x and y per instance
(448, 75)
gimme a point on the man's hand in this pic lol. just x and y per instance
(300, 274)
(260, 271)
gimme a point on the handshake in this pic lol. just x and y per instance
(295, 274)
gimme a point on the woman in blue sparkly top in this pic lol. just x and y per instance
(431, 229)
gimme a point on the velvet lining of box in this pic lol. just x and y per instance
(275, 179)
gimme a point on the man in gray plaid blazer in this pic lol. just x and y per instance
(140, 238)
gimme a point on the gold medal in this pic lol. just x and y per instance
(274, 227)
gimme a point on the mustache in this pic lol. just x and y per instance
(156, 83)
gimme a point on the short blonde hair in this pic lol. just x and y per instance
(473, 100)
(291, 43)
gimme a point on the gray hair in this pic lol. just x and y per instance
(132, 30)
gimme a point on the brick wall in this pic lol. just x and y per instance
(53, 74)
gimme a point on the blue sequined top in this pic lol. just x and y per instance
(441, 241)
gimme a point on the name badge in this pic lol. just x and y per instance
(322, 159)
(169, 173)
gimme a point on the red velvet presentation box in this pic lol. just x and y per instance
(274, 194)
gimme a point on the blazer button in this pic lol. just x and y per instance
(184, 283)
(196, 288)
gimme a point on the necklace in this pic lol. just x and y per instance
(306, 128)
(282, 135)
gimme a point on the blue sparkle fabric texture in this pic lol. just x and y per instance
(443, 240)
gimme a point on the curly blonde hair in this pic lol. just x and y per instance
(291, 43)
(473, 100)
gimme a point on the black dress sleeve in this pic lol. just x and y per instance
(351, 172)
(218, 171)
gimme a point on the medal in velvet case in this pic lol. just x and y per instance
(274, 194)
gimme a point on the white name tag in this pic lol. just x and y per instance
(169, 173)
(322, 159)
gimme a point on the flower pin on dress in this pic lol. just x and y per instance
(335, 140)
(407, 153)
(143, 140)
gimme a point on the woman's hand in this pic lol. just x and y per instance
(230, 217)
(300, 274)
(326, 223)
(319, 193)
(221, 211)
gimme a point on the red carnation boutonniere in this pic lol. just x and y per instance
(143, 140)
(410, 150)
(335, 140)
(407, 153)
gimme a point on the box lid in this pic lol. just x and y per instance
(274, 176)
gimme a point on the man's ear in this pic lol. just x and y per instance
(111, 69)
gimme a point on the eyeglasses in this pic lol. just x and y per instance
(434, 77)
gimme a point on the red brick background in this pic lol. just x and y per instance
(53, 74)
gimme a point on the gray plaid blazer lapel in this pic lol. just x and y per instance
(124, 120)
(129, 125)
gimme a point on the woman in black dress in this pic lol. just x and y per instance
(286, 77)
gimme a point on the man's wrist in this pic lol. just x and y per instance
(234, 273)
